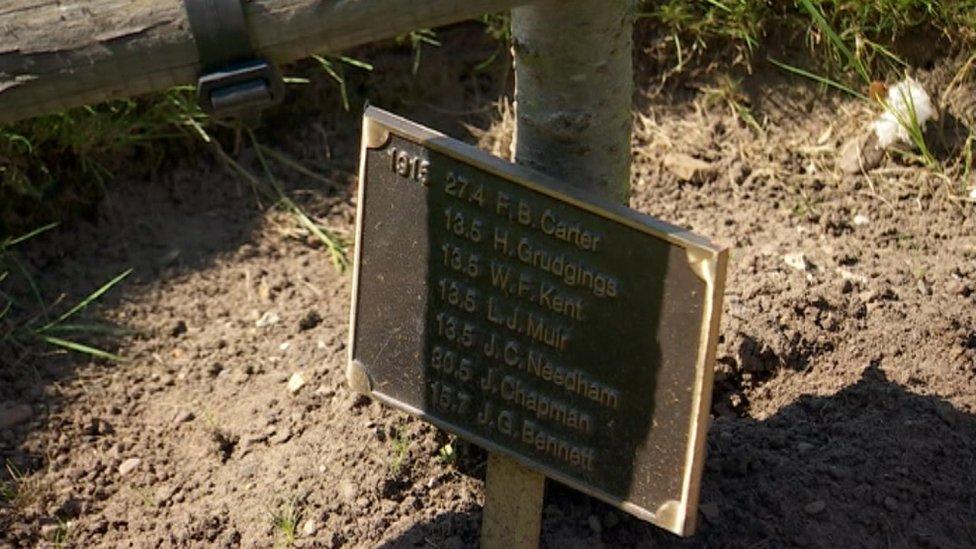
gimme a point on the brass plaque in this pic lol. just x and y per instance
(573, 334)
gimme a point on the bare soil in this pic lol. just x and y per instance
(845, 403)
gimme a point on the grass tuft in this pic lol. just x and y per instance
(417, 40)
(853, 60)
(22, 490)
(447, 454)
(865, 24)
(401, 450)
(333, 66)
(24, 329)
(285, 519)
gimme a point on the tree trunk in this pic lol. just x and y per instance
(574, 91)
(573, 95)
(60, 54)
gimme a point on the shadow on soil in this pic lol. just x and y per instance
(873, 465)
(193, 212)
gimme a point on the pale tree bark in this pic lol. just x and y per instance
(574, 91)
(573, 97)
(56, 54)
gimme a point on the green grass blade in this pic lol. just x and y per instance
(87, 301)
(35, 289)
(82, 348)
(818, 18)
(289, 162)
(356, 63)
(817, 78)
(720, 6)
(28, 236)
(336, 249)
(92, 328)
(334, 74)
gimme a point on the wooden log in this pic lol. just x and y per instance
(60, 54)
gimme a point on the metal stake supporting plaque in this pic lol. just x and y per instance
(573, 93)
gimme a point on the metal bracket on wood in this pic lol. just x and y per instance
(235, 82)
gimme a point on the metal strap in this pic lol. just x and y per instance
(234, 81)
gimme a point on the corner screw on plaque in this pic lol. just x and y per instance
(357, 378)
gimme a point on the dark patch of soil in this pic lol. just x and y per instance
(845, 403)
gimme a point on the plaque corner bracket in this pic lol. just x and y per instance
(358, 378)
(703, 263)
(375, 133)
(672, 515)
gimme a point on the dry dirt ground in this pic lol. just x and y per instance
(845, 403)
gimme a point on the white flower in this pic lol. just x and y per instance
(904, 99)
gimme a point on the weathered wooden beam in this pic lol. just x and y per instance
(60, 54)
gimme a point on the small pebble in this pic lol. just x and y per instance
(182, 417)
(128, 466)
(797, 261)
(295, 383)
(891, 503)
(594, 523)
(348, 491)
(269, 318)
(815, 507)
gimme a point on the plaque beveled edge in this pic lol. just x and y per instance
(538, 181)
(707, 259)
(712, 270)
(375, 135)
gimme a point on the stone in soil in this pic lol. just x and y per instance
(296, 382)
(182, 416)
(815, 507)
(861, 153)
(688, 168)
(348, 491)
(128, 466)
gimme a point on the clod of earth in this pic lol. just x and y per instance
(14, 414)
(309, 321)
